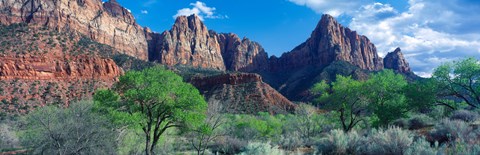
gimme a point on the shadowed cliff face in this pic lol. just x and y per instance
(395, 61)
(107, 23)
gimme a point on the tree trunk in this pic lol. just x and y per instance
(147, 146)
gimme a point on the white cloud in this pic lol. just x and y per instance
(201, 9)
(332, 7)
(429, 32)
(424, 32)
(144, 12)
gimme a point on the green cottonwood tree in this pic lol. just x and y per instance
(155, 100)
(460, 79)
(345, 96)
(386, 98)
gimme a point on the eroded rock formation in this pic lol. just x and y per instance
(330, 42)
(395, 61)
(107, 23)
(48, 68)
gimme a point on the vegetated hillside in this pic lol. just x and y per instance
(242, 93)
(39, 66)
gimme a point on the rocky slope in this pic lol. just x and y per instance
(107, 23)
(242, 93)
(395, 61)
(40, 67)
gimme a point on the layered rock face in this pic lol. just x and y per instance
(106, 23)
(189, 42)
(43, 68)
(330, 42)
(242, 93)
(242, 54)
(395, 61)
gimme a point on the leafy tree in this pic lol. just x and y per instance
(460, 80)
(384, 91)
(307, 121)
(425, 94)
(73, 130)
(203, 135)
(155, 100)
(345, 96)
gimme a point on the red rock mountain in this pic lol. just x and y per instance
(395, 61)
(242, 93)
(189, 42)
(330, 42)
(107, 23)
(55, 50)
(242, 54)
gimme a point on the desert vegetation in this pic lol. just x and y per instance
(153, 111)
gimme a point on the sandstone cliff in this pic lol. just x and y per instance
(189, 42)
(395, 61)
(242, 54)
(107, 23)
(242, 93)
(30, 67)
(40, 67)
(330, 42)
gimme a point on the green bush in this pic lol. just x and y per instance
(73, 130)
(419, 121)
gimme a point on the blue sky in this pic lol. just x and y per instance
(430, 32)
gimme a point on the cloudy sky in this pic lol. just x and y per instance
(430, 32)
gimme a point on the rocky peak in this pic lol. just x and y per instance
(242, 54)
(192, 22)
(396, 61)
(188, 43)
(116, 10)
(329, 42)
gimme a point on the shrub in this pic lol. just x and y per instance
(421, 146)
(228, 145)
(74, 130)
(464, 115)
(291, 140)
(461, 148)
(391, 141)
(339, 142)
(419, 121)
(452, 130)
(8, 138)
(402, 123)
(258, 148)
